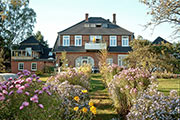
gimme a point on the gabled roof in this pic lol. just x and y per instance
(159, 40)
(31, 39)
(79, 28)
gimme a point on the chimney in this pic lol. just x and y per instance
(86, 17)
(114, 18)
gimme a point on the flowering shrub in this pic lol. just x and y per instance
(165, 75)
(27, 98)
(125, 86)
(75, 101)
(73, 77)
(152, 104)
(86, 69)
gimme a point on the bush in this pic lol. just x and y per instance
(152, 104)
(165, 75)
(73, 77)
(124, 87)
(39, 72)
(76, 102)
(27, 98)
(48, 69)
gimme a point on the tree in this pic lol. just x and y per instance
(164, 11)
(40, 37)
(148, 56)
(16, 21)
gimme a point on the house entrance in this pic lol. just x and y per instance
(84, 60)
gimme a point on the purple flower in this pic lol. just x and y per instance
(25, 103)
(21, 107)
(5, 92)
(37, 77)
(27, 93)
(21, 76)
(10, 93)
(36, 91)
(21, 88)
(19, 91)
(19, 73)
(41, 106)
(45, 88)
(34, 75)
(4, 87)
(49, 93)
(40, 92)
(1, 94)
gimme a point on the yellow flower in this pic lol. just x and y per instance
(93, 109)
(76, 98)
(84, 109)
(84, 91)
(76, 108)
(91, 103)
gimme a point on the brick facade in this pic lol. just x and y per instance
(27, 65)
(72, 56)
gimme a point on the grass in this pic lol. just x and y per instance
(99, 95)
(166, 85)
(44, 77)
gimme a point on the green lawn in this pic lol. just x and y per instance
(166, 85)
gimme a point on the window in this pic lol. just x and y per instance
(93, 25)
(113, 40)
(84, 59)
(105, 25)
(86, 25)
(109, 61)
(125, 40)
(33, 66)
(98, 25)
(50, 54)
(96, 39)
(20, 66)
(120, 60)
(78, 40)
(66, 40)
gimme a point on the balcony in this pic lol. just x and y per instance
(95, 46)
(23, 54)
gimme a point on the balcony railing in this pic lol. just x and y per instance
(95, 46)
(24, 54)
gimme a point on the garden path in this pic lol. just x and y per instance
(99, 96)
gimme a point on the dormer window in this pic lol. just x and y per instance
(66, 40)
(50, 54)
(98, 25)
(104, 25)
(86, 25)
(125, 41)
(93, 25)
(28, 51)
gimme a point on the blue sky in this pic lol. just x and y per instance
(56, 15)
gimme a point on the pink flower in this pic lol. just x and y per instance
(41, 106)
(36, 91)
(2, 98)
(21, 88)
(34, 98)
(4, 87)
(17, 82)
(49, 93)
(40, 92)
(12, 86)
(18, 85)
(27, 93)
(5, 92)
(21, 107)
(25, 103)
(10, 78)
(29, 79)
(134, 90)
(26, 85)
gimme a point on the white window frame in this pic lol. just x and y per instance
(120, 62)
(66, 40)
(19, 66)
(113, 41)
(32, 66)
(109, 61)
(125, 42)
(78, 40)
